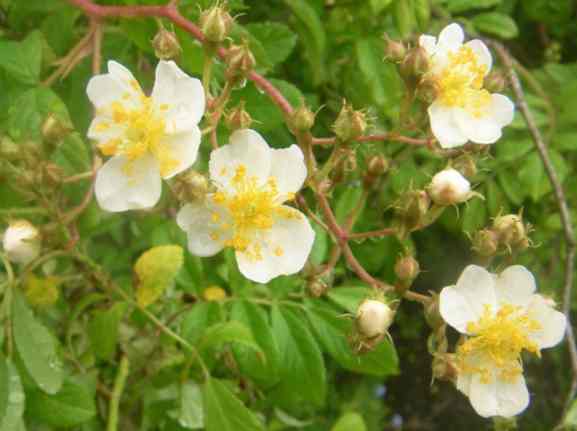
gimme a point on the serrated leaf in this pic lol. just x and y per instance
(474, 215)
(369, 60)
(349, 298)
(73, 405)
(200, 317)
(350, 421)
(457, 6)
(37, 348)
(22, 60)
(223, 411)
(496, 24)
(228, 332)
(103, 330)
(277, 40)
(156, 270)
(12, 396)
(191, 414)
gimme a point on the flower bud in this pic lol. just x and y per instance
(495, 82)
(395, 51)
(216, 23)
(214, 293)
(166, 45)
(350, 124)
(240, 61)
(317, 287)
(303, 119)
(449, 187)
(21, 242)
(190, 186)
(427, 91)
(377, 165)
(510, 230)
(373, 318)
(407, 269)
(238, 118)
(411, 210)
(466, 165)
(53, 129)
(485, 242)
(416, 63)
(8, 149)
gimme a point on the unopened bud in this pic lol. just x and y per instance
(485, 243)
(411, 210)
(53, 129)
(495, 82)
(21, 242)
(377, 165)
(350, 124)
(373, 318)
(8, 149)
(466, 165)
(165, 44)
(240, 61)
(395, 51)
(216, 23)
(510, 230)
(427, 91)
(317, 287)
(238, 118)
(303, 119)
(407, 269)
(449, 187)
(416, 63)
(190, 186)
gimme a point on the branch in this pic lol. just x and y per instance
(395, 137)
(561, 203)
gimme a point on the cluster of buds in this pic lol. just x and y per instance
(372, 321)
(406, 269)
(165, 44)
(238, 118)
(216, 24)
(350, 124)
(377, 166)
(190, 186)
(508, 234)
(411, 211)
(21, 242)
(449, 187)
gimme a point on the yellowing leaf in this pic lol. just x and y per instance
(155, 271)
(42, 291)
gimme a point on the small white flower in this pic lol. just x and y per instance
(149, 137)
(501, 315)
(21, 242)
(374, 318)
(247, 212)
(449, 187)
(463, 111)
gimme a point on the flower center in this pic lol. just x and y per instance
(253, 208)
(496, 344)
(144, 130)
(460, 83)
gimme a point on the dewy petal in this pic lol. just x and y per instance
(502, 109)
(123, 185)
(481, 130)
(116, 85)
(429, 43)
(467, 301)
(181, 95)
(451, 37)
(196, 220)
(287, 165)
(482, 52)
(553, 323)
(246, 148)
(181, 149)
(285, 248)
(515, 285)
(444, 126)
(498, 398)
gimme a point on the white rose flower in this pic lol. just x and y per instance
(149, 137)
(247, 212)
(449, 187)
(501, 315)
(462, 110)
(21, 242)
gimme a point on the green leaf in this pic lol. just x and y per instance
(333, 331)
(370, 62)
(378, 6)
(71, 406)
(350, 421)
(11, 395)
(474, 215)
(22, 60)
(302, 369)
(496, 24)
(347, 201)
(200, 317)
(228, 332)
(404, 17)
(103, 331)
(263, 369)
(277, 40)
(458, 6)
(223, 411)
(510, 184)
(532, 174)
(37, 347)
(191, 415)
(156, 270)
(349, 298)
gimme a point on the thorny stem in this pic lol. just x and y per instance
(372, 234)
(117, 391)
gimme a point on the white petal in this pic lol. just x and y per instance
(246, 148)
(429, 43)
(467, 301)
(451, 37)
(502, 109)
(288, 167)
(553, 323)
(196, 220)
(444, 126)
(182, 148)
(182, 94)
(102, 129)
(515, 285)
(116, 85)
(123, 185)
(464, 382)
(498, 398)
(481, 130)
(285, 249)
(482, 52)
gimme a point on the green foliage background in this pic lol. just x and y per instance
(276, 354)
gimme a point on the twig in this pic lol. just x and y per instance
(372, 234)
(395, 137)
(561, 202)
(119, 384)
